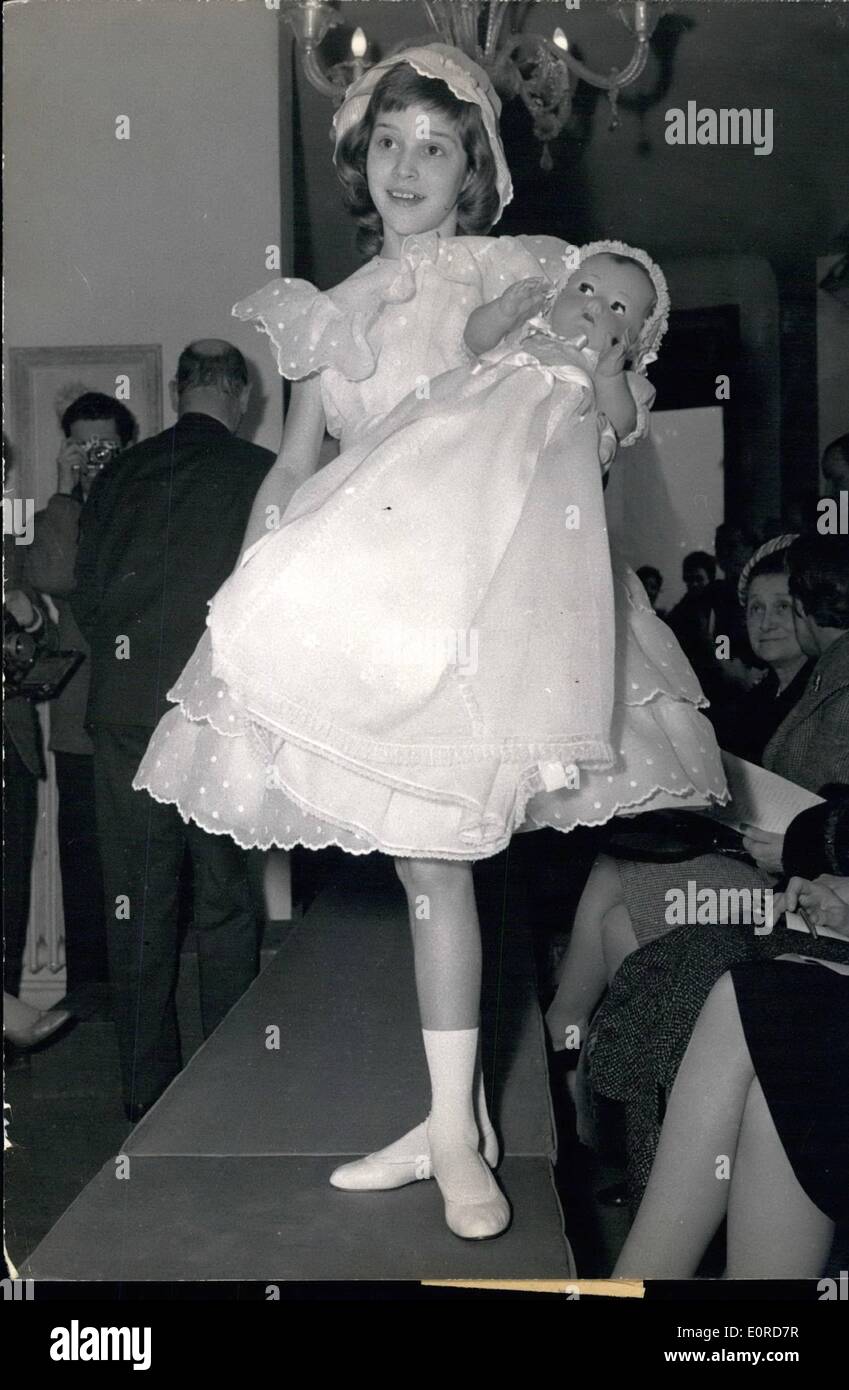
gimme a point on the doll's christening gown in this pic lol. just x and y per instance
(420, 658)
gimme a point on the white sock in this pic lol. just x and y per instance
(451, 1055)
(474, 1207)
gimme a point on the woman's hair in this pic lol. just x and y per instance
(399, 88)
(819, 578)
(776, 563)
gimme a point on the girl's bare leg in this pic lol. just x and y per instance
(774, 1229)
(583, 973)
(448, 982)
(446, 941)
(688, 1191)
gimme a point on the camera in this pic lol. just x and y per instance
(29, 671)
(98, 453)
(19, 650)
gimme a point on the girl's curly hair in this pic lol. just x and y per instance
(399, 88)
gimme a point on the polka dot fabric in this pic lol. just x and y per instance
(250, 773)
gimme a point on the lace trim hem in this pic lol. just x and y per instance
(273, 839)
(312, 728)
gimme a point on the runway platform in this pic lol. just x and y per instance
(321, 1060)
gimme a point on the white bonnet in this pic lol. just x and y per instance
(464, 78)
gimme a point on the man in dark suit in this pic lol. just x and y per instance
(160, 533)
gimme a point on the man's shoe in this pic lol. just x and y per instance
(33, 1028)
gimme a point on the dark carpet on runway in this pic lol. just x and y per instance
(227, 1176)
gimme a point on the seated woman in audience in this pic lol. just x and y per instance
(617, 912)
(757, 1127)
(747, 721)
(643, 1028)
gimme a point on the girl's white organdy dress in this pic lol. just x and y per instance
(420, 659)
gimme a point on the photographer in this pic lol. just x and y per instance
(26, 627)
(97, 428)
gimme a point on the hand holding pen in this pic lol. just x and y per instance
(823, 902)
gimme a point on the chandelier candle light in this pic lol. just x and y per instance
(537, 69)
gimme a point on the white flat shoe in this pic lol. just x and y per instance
(375, 1174)
(475, 1206)
(478, 1220)
(405, 1161)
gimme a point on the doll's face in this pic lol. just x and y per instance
(416, 168)
(607, 299)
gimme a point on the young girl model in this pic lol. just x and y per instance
(422, 655)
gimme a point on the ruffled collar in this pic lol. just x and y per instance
(418, 246)
(454, 260)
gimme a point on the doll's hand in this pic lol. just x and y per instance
(614, 358)
(522, 300)
(825, 900)
(765, 847)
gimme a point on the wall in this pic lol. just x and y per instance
(662, 502)
(146, 240)
(151, 239)
(748, 282)
(688, 200)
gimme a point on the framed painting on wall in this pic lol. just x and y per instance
(45, 380)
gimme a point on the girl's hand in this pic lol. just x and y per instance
(522, 300)
(614, 358)
(825, 900)
(765, 847)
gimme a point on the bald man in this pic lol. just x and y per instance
(160, 533)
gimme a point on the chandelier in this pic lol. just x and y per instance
(539, 70)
